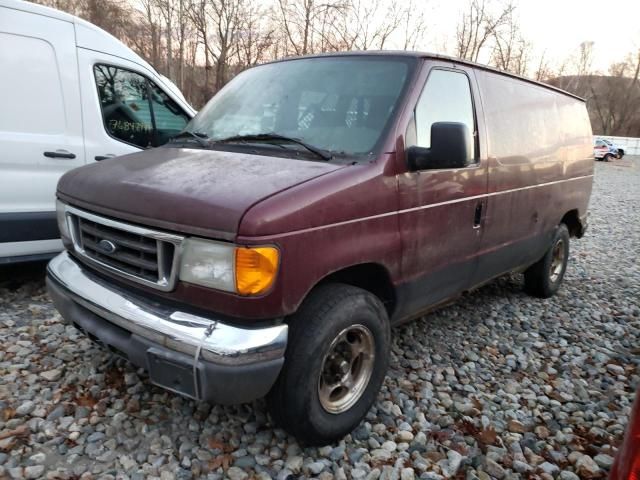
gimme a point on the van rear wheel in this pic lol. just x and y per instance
(543, 278)
(336, 359)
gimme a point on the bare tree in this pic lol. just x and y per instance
(256, 35)
(225, 18)
(167, 10)
(584, 60)
(185, 32)
(310, 26)
(511, 50)
(579, 65)
(543, 71)
(199, 19)
(365, 31)
(154, 28)
(297, 21)
(414, 25)
(477, 26)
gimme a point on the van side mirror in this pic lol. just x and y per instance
(451, 147)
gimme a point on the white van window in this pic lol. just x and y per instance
(169, 117)
(134, 109)
(446, 98)
(30, 86)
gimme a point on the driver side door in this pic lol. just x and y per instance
(442, 210)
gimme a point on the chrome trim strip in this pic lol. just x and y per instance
(165, 282)
(414, 209)
(219, 342)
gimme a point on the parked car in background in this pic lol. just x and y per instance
(618, 149)
(237, 264)
(627, 462)
(70, 94)
(604, 151)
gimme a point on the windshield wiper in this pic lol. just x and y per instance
(259, 137)
(201, 138)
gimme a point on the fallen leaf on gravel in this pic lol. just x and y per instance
(441, 435)
(468, 428)
(487, 436)
(221, 461)
(21, 431)
(86, 401)
(218, 445)
(8, 413)
(114, 378)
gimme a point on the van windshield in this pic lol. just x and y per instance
(338, 104)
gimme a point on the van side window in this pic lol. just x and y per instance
(446, 98)
(134, 109)
(169, 117)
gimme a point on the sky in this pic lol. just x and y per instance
(556, 27)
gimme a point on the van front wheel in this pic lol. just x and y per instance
(336, 359)
(543, 279)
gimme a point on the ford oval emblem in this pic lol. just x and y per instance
(106, 246)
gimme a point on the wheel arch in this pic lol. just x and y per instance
(372, 277)
(573, 222)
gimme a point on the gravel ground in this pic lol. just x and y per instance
(499, 385)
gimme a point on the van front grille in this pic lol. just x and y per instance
(134, 254)
(144, 255)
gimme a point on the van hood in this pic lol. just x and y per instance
(203, 192)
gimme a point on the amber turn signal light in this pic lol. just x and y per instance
(256, 269)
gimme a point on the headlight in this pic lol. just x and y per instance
(63, 226)
(241, 270)
(208, 263)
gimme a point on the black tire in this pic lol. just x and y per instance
(542, 279)
(294, 401)
(608, 157)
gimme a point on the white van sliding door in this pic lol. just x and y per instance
(40, 127)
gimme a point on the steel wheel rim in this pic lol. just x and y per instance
(346, 369)
(557, 261)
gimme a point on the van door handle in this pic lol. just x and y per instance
(477, 217)
(60, 154)
(103, 157)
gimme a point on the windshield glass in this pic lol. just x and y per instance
(340, 104)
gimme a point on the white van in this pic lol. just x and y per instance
(70, 94)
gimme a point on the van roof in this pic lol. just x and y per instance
(436, 56)
(88, 35)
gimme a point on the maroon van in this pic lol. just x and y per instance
(627, 463)
(312, 204)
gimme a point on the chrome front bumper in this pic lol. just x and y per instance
(207, 346)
